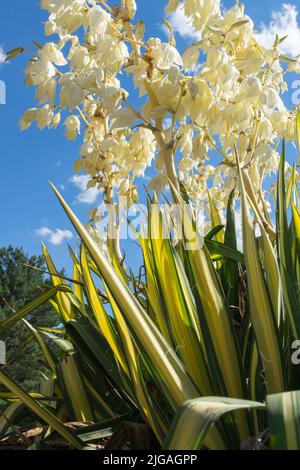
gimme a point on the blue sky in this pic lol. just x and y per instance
(29, 159)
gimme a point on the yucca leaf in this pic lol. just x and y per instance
(177, 297)
(262, 314)
(296, 223)
(215, 218)
(272, 276)
(298, 132)
(249, 191)
(72, 385)
(41, 411)
(291, 187)
(62, 299)
(165, 360)
(195, 418)
(31, 306)
(9, 396)
(94, 348)
(56, 331)
(101, 316)
(46, 352)
(107, 400)
(222, 249)
(78, 284)
(9, 415)
(141, 393)
(98, 431)
(59, 342)
(49, 389)
(290, 285)
(113, 246)
(213, 232)
(152, 289)
(68, 304)
(215, 321)
(230, 267)
(284, 420)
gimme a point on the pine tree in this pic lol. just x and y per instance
(18, 285)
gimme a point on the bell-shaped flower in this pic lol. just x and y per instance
(50, 52)
(72, 124)
(98, 20)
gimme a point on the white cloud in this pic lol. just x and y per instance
(43, 232)
(2, 55)
(182, 25)
(284, 22)
(54, 237)
(86, 196)
(239, 229)
(167, 122)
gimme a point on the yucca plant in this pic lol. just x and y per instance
(199, 348)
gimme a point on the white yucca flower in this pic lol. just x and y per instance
(187, 111)
(72, 124)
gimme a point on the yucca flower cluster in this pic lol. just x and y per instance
(195, 111)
